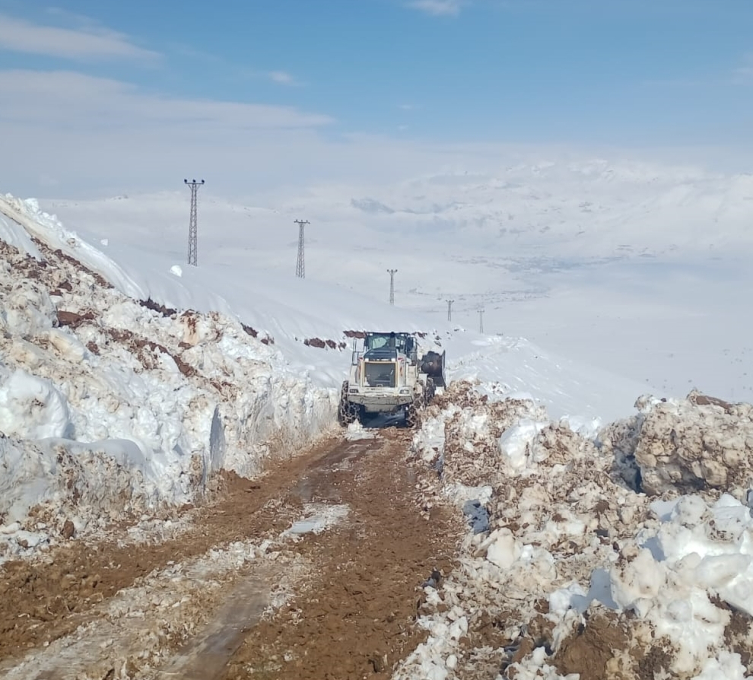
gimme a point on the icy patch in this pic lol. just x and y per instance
(428, 441)
(515, 443)
(585, 427)
(356, 431)
(317, 517)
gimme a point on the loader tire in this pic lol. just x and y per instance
(347, 411)
(431, 390)
(413, 409)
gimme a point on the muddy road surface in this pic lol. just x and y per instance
(311, 571)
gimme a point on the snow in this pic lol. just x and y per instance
(32, 408)
(317, 518)
(515, 443)
(127, 381)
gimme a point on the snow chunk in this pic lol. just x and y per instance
(33, 408)
(685, 445)
(515, 443)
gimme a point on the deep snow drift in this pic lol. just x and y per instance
(125, 385)
(622, 553)
(110, 405)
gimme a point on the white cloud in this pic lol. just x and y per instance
(439, 7)
(282, 77)
(406, 107)
(86, 42)
(77, 101)
(88, 136)
(89, 133)
(91, 136)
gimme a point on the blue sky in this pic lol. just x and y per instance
(579, 72)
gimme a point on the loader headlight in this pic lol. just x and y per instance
(404, 391)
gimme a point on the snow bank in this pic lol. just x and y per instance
(112, 406)
(581, 575)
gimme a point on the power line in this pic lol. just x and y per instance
(193, 229)
(392, 285)
(300, 267)
(449, 309)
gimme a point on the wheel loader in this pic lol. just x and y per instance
(386, 376)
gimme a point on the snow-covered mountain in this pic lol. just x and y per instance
(594, 209)
(571, 254)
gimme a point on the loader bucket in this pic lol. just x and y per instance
(432, 364)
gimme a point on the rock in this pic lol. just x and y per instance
(68, 529)
(477, 516)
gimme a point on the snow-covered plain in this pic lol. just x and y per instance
(125, 386)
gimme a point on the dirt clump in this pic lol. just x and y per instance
(72, 319)
(655, 663)
(157, 307)
(589, 648)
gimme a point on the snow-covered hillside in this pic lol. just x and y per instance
(127, 383)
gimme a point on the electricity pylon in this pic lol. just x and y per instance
(449, 309)
(300, 267)
(392, 285)
(193, 228)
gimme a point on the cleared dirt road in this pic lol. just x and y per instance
(313, 571)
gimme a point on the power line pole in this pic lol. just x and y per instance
(481, 320)
(300, 267)
(392, 285)
(193, 229)
(449, 309)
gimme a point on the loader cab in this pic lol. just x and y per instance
(392, 342)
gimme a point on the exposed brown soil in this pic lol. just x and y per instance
(357, 619)
(737, 633)
(44, 601)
